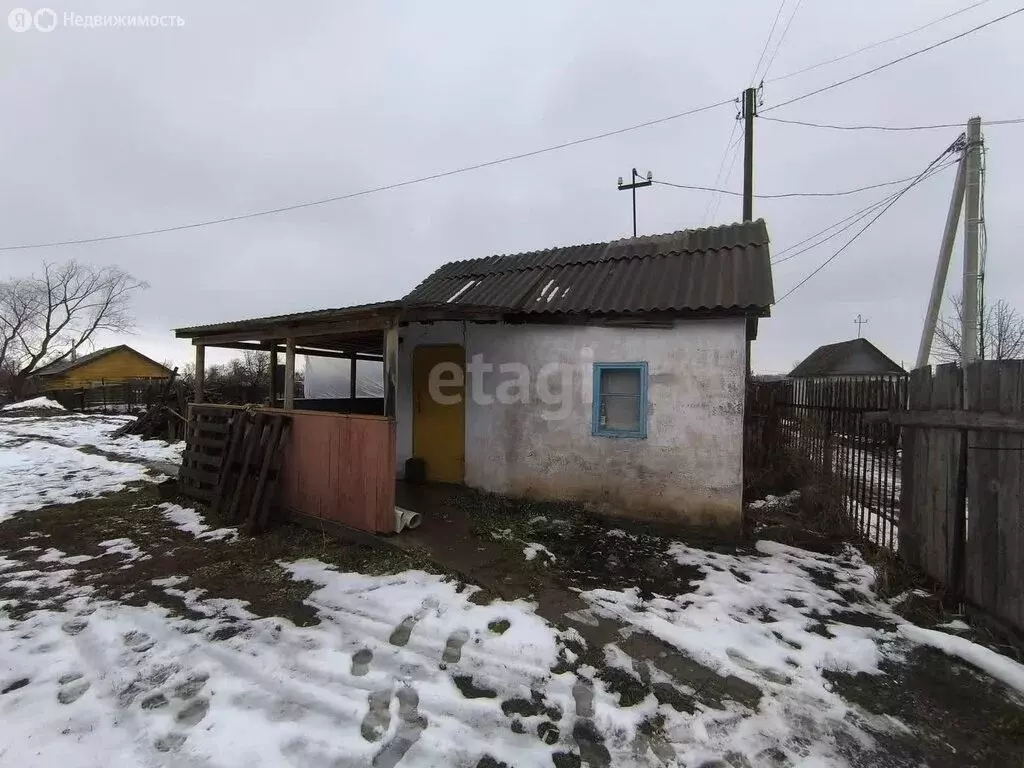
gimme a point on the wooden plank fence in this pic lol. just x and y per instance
(931, 466)
(932, 494)
(994, 551)
(962, 510)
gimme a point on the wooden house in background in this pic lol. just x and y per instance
(847, 359)
(104, 368)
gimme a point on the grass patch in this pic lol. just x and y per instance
(958, 716)
(246, 569)
(499, 627)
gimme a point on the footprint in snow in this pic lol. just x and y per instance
(137, 641)
(14, 685)
(583, 694)
(194, 711)
(192, 686)
(154, 701)
(378, 717)
(74, 626)
(170, 742)
(361, 662)
(411, 725)
(71, 688)
(401, 634)
(453, 648)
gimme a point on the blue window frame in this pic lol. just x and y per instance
(620, 400)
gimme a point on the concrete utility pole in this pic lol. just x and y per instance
(633, 185)
(969, 329)
(956, 203)
(859, 321)
(749, 111)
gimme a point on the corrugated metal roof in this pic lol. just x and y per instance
(824, 360)
(717, 268)
(295, 317)
(399, 309)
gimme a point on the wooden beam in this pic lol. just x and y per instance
(200, 376)
(289, 375)
(985, 421)
(390, 370)
(273, 377)
(352, 378)
(269, 346)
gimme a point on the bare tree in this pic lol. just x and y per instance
(1001, 331)
(252, 369)
(48, 318)
(17, 309)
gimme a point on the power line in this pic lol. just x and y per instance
(768, 66)
(787, 194)
(852, 219)
(920, 177)
(1012, 121)
(728, 175)
(876, 44)
(888, 64)
(768, 40)
(372, 190)
(721, 167)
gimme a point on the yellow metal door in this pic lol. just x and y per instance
(439, 431)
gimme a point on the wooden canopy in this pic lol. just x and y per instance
(363, 332)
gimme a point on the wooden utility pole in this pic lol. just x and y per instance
(749, 111)
(972, 221)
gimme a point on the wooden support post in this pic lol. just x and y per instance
(390, 369)
(352, 378)
(200, 372)
(289, 375)
(273, 377)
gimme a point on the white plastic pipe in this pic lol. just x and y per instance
(406, 518)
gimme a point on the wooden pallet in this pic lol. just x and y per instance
(206, 438)
(247, 485)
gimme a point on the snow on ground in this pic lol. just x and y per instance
(99, 683)
(532, 550)
(41, 462)
(759, 619)
(780, 621)
(36, 403)
(126, 548)
(38, 473)
(74, 430)
(190, 521)
(407, 669)
(774, 502)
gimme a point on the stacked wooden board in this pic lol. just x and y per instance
(163, 419)
(232, 462)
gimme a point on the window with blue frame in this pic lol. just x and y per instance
(620, 400)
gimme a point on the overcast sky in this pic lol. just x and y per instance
(252, 105)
